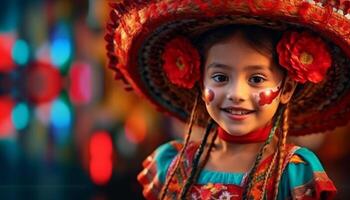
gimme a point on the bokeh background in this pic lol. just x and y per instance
(68, 130)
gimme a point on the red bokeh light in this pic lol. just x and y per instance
(101, 157)
(80, 83)
(6, 44)
(43, 83)
(6, 124)
(101, 171)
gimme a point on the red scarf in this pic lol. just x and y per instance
(259, 135)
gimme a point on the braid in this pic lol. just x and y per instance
(268, 175)
(249, 180)
(206, 155)
(195, 162)
(186, 141)
(281, 149)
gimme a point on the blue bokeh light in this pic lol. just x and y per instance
(60, 114)
(20, 116)
(60, 51)
(20, 52)
(61, 46)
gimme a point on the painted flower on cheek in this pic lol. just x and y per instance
(304, 55)
(181, 62)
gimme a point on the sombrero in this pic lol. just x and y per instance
(139, 30)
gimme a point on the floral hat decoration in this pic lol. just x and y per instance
(149, 48)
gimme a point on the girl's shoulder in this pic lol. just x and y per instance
(156, 165)
(304, 176)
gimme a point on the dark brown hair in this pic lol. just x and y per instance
(261, 39)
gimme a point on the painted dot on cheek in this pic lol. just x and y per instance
(209, 95)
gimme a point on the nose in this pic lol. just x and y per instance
(237, 91)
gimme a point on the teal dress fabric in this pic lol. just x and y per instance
(303, 176)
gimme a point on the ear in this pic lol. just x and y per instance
(288, 90)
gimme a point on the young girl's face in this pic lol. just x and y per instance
(242, 87)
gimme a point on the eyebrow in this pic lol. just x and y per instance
(247, 68)
(217, 65)
(258, 67)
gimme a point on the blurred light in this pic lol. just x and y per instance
(42, 112)
(6, 43)
(20, 52)
(101, 144)
(101, 160)
(43, 82)
(61, 122)
(60, 51)
(61, 47)
(80, 90)
(43, 53)
(20, 116)
(135, 127)
(101, 171)
(60, 114)
(6, 125)
(61, 135)
(125, 147)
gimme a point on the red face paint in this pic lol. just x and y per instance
(208, 95)
(267, 96)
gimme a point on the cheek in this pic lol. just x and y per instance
(267, 96)
(208, 95)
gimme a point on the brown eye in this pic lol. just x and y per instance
(256, 79)
(220, 78)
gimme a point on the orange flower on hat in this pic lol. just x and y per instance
(181, 62)
(304, 55)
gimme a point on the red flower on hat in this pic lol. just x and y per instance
(304, 55)
(181, 62)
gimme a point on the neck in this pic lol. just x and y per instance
(256, 136)
(229, 147)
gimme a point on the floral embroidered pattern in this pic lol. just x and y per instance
(304, 55)
(181, 62)
(216, 191)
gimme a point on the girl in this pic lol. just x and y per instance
(250, 80)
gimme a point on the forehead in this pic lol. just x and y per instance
(238, 54)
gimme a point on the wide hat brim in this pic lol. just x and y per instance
(137, 33)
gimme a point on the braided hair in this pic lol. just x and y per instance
(206, 155)
(251, 174)
(281, 150)
(196, 159)
(186, 141)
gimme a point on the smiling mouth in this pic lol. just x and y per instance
(234, 111)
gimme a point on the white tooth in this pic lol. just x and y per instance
(335, 10)
(234, 112)
(319, 4)
(311, 1)
(347, 16)
(340, 11)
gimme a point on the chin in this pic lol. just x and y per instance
(237, 131)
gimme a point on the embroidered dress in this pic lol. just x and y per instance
(303, 177)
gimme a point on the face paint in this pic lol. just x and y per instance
(267, 96)
(208, 95)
